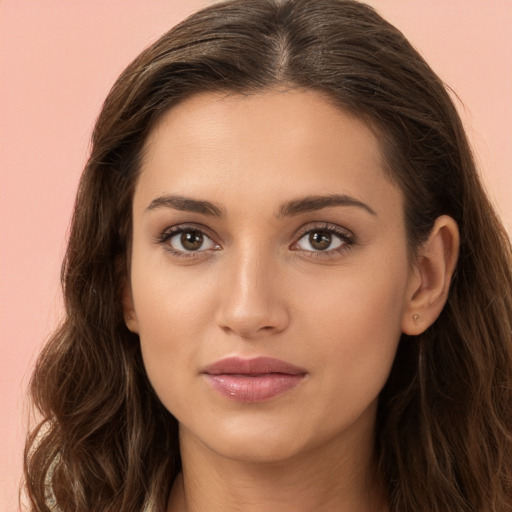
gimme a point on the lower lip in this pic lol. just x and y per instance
(258, 388)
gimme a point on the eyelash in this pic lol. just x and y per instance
(346, 238)
(169, 233)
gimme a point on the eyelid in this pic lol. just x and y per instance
(347, 237)
(323, 225)
(164, 236)
(184, 226)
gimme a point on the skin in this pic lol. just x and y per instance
(257, 286)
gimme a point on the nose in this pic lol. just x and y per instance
(251, 302)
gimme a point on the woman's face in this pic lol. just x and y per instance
(264, 226)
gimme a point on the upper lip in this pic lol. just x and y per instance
(252, 366)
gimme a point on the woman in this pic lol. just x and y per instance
(285, 287)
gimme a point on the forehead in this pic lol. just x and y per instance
(276, 144)
(286, 117)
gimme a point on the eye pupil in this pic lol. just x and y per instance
(320, 240)
(192, 240)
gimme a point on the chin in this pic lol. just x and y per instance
(267, 451)
(255, 441)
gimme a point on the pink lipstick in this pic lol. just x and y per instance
(253, 380)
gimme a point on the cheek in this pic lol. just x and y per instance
(168, 339)
(361, 299)
(167, 309)
(355, 322)
(167, 300)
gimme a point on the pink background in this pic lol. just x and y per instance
(58, 60)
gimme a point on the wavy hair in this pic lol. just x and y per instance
(105, 443)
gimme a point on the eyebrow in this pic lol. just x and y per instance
(186, 204)
(287, 209)
(313, 203)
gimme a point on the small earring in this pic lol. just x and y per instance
(415, 317)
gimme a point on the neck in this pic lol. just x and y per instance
(313, 480)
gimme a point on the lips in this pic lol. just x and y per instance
(253, 380)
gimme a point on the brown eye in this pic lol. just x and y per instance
(323, 240)
(190, 240)
(320, 240)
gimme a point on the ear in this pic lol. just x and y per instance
(130, 317)
(430, 278)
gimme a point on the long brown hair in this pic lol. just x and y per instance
(444, 428)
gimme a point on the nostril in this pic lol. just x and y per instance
(248, 331)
